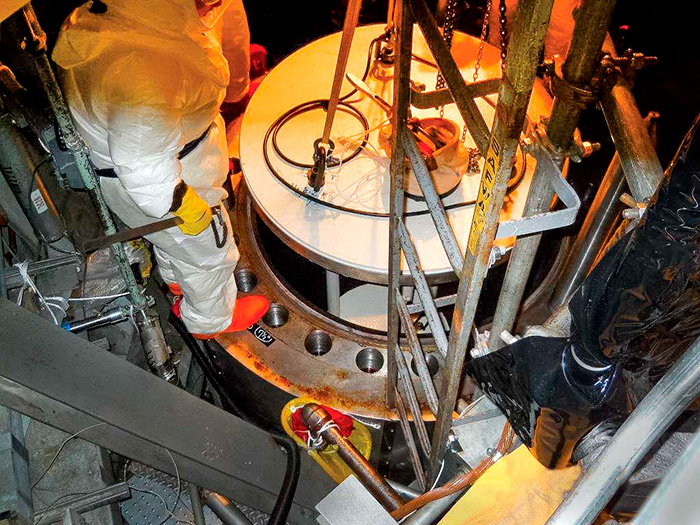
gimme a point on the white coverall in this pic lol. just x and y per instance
(142, 80)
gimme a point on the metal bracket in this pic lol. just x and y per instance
(550, 220)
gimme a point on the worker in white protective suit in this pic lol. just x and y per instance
(144, 81)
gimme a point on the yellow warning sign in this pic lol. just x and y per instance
(488, 179)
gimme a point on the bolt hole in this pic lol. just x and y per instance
(431, 361)
(369, 360)
(246, 280)
(318, 342)
(276, 316)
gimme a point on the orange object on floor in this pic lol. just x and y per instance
(248, 311)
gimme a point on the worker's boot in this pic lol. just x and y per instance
(246, 313)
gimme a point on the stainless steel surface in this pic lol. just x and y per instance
(675, 499)
(211, 448)
(351, 504)
(319, 422)
(406, 493)
(550, 174)
(422, 289)
(154, 345)
(428, 514)
(333, 292)
(416, 464)
(399, 119)
(478, 430)
(112, 494)
(108, 317)
(600, 219)
(519, 73)
(405, 386)
(659, 408)
(642, 169)
(432, 199)
(225, 510)
(418, 355)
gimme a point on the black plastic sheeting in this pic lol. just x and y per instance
(635, 314)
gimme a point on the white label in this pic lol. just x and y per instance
(38, 201)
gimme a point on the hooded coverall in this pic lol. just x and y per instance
(143, 79)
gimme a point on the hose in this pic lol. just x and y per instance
(280, 512)
(460, 482)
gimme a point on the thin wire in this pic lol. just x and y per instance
(470, 406)
(442, 467)
(55, 457)
(98, 297)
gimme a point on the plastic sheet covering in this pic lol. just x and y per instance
(635, 314)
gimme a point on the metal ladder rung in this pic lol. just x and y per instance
(434, 202)
(423, 289)
(412, 399)
(418, 356)
(410, 440)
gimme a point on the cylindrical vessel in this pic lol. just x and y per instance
(20, 165)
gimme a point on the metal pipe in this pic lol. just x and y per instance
(154, 345)
(92, 501)
(196, 500)
(110, 316)
(333, 292)
(637, 153)
(225, 509)
(14, 278)
(591, 27)
(642, 429)
(406, 493)
(352, 15)
(599, 223)
(430, 513)
(318, 421)
(399, 121)
(519, 74)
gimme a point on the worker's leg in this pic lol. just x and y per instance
(203, 270)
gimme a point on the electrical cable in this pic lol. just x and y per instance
(291, 477)
(270, 140)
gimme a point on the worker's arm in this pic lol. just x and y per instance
(235, 44)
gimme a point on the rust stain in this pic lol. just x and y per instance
(342, 374)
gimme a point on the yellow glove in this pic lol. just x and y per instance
(194, 211)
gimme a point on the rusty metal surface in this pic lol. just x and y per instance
(333, 378)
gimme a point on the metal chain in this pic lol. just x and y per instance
(484, 29)
(451, 12)
(504, 32)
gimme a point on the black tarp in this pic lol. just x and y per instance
(635, 314)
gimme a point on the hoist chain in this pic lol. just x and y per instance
(504, 32)
(451, 13)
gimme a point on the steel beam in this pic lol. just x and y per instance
(66, 382)
(519, 75)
